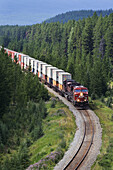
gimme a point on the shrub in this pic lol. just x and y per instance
(53, 102)
(102, 99)
(62, 144)
(109, 102)
(93, 96)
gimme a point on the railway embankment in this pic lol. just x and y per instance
(105, 114)
(59, 129)
(97, 141)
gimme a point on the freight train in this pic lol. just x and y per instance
(55, 78)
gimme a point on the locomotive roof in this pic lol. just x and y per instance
(80, 87)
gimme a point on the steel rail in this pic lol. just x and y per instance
(71, 162)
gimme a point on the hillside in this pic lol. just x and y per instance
(83, 48)
(76, 15)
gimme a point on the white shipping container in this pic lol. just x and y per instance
(16, 54)
(64, 76)
(25, 62)
(22, 57)
(36, 66)
(40, 66)
(44, 68)
(33, 65)
(50, 71)
(55, 74)
(29, 61)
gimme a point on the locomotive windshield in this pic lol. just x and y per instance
(83, 90)
(77, 90)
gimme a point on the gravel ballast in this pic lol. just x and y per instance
(95, 148)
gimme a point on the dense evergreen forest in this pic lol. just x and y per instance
(21, 113)
(84, 48)
(76, 15)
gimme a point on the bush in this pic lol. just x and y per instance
(107, 93)
(53, 102)
(63, 144)
(102, 99)
(109, 102)
(93, 97)
(37, 133)
(112, 117)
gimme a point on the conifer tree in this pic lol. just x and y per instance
(87, 38)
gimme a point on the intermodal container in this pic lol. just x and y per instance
(44, 68)
(33, 65)
(50, 71)
(64, 76)
(36, 66)
(40, 68)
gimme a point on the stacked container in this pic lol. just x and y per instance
(16, 54)
(63, 76)
(40, 64)
(36, 67)
(25, 62)
(19, 58)
(50, 74)
(33, 65)
(22, 60)
(12, 55)
(29, 61)
(56, 77)
(44, 71)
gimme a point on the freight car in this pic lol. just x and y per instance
(55, 78)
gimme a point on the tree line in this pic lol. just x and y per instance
(77, 15)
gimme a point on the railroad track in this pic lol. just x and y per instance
(79, 157)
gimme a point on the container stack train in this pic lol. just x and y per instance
(55, 78)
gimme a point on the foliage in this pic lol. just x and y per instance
(19, 160)
(83, 48)
(76, 15)
(22, 101)
(58, 133)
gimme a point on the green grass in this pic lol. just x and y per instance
(105, 114)
(55, 129)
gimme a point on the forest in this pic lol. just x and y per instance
(76, 15)
(21, 113)
(84, 48)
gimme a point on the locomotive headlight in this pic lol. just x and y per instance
(78, 100)
(81, 94)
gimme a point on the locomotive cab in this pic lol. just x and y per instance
(80, 95)
(68, 85)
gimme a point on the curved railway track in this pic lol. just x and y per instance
(86, 143)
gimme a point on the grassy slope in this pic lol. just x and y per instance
(56, 128)
(105, 114)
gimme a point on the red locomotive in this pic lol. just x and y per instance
(75, 92)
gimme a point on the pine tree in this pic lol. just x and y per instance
(87, 38)
(98, 35)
